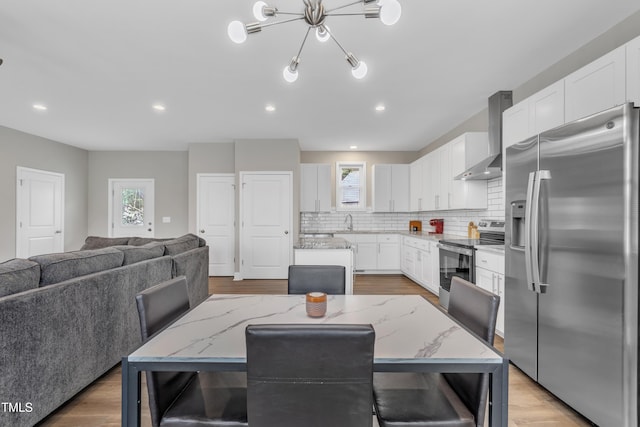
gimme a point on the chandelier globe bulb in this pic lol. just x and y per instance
(237, 32)
(258, 11)
(390, 11)
(360, 70)
(289, 75)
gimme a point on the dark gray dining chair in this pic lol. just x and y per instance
(310, 375)
(449, 399)
(212, 399)
(329, 279)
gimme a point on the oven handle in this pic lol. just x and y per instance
(455, 249)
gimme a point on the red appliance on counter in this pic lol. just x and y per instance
(438, 224)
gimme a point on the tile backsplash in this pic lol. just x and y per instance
(455, 222)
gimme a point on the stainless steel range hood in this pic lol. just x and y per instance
(491, 166)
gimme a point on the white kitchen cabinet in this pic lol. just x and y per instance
(633, 71)
(443, 189)
(375, 252)
(597, 86)
(546, 108)
(315, 187)
(431, 186)
(421, 262)
(465, 151)
(390, 188)
(490, 276)
(515, 124)
(388, 252)
(541, 111)
(416, 184)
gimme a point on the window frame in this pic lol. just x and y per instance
(362, 202)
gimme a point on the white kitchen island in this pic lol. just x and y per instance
(326, 251)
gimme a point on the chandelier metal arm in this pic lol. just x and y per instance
(303, 42)
(337, 42)
(271, 24)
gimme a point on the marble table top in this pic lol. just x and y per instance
(409, 329)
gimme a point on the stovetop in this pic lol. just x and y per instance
(491, 233)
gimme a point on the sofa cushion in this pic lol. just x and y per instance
(133, 254)
(181, 244)
(58, 267)
(96, 242)
(18, 275)
(141, 241)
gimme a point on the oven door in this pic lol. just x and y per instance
(454, 261)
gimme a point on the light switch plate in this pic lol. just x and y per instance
(166, 219)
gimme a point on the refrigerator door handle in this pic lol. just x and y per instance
(539, 176)
(528, 217)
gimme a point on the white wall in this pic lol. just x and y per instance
(22, 149)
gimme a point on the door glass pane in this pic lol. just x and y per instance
(132, 206)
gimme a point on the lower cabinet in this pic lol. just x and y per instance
(375, 252)
(420, 262)
(490, 276)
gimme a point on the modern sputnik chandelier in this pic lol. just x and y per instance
(315, 15)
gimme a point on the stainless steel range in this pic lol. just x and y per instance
(457, 255)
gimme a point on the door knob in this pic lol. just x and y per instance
(148, 229)
(58, 231)
(286, 231)
(202, 231)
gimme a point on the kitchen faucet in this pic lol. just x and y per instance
(348, 219)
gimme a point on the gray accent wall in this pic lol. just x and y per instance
(30, 151)
(169, 169)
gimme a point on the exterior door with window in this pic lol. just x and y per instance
(39, 212)
(131, 210)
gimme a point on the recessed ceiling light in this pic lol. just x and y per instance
(39, 107)
(380, 107)
(159, 107)
(270, 108)
(353, 147)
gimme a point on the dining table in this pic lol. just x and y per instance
(412, 334)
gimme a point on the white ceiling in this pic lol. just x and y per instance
(99, 65)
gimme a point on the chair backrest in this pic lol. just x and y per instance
(158, 307)
(310, 375)
(329, 279)
(477, 309)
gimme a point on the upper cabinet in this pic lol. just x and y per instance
(597, 86)
(433, 186)
(315, 187)
(633, 71)
(390, 188)
(541, 111)
(416, 184)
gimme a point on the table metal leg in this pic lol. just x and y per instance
(130, 394)
(499, 395)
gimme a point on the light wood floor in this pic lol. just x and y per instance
(99, 404)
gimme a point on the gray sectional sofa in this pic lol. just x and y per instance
(67, 318)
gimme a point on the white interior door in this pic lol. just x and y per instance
(216, 220)
(266, 210)
(39, 212)
(131, 207)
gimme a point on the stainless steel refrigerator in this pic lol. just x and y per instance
(571, 285)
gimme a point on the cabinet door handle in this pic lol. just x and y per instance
(449, 200)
